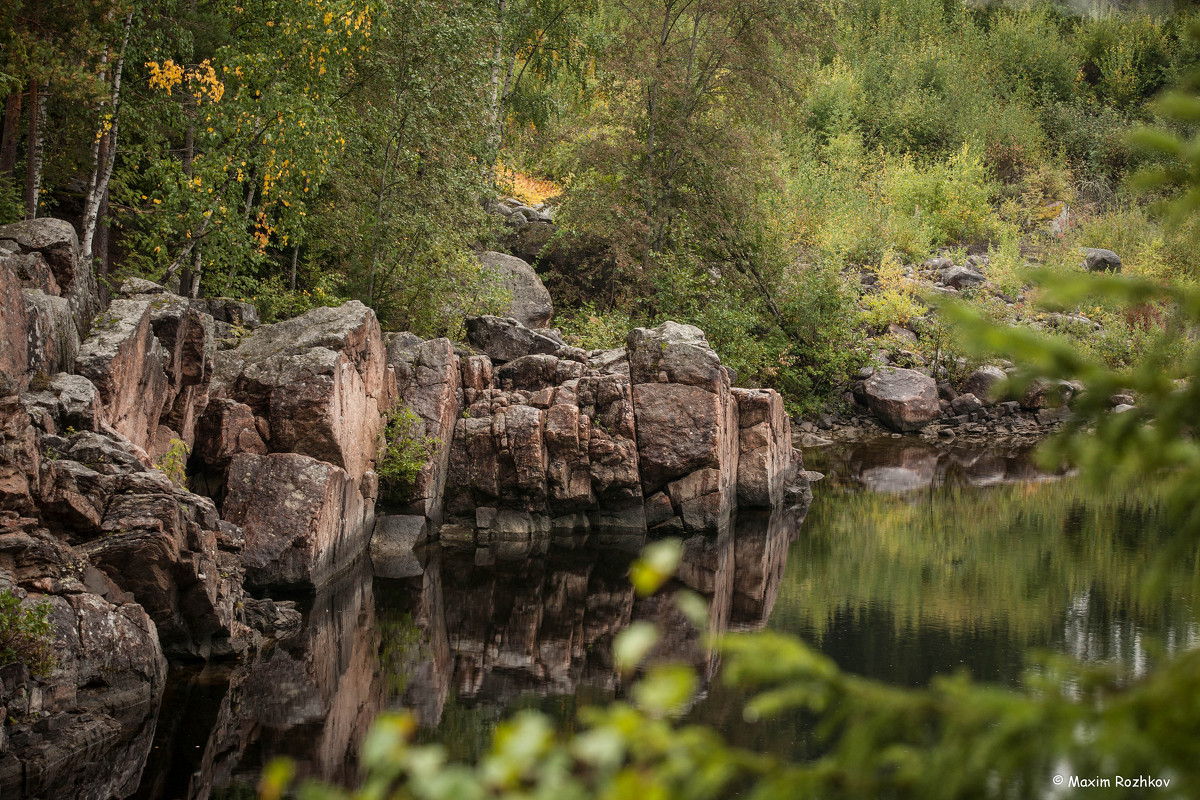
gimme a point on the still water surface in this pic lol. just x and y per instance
(912, 562)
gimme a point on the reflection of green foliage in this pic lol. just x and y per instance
(399, 649)
(1015, 556)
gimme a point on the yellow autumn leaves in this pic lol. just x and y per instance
(202, 81)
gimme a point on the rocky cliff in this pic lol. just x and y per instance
(537, 442)
(163, 458)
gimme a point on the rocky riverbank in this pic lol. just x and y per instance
(166, 463)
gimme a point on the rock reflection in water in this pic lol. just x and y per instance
(470, 626)
(887, 466)
(310, 698)
(492, 630)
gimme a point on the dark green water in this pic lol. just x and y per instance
(912, 562)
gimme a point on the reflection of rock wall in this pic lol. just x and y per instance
(310, 698)
(545, 625)
(887, 467)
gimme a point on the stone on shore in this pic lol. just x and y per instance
(902, 399)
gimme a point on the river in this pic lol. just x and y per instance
(912, 562)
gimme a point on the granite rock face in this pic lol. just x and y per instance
(563, 444)
(687, 422)
(126, 362)
(131, 566)
(319, 380)
(303, 520)
(54, 243)
(505, 338)
(429, 380)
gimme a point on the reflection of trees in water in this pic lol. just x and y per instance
(905, 585)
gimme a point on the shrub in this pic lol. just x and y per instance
(952, 197)
(1126, 58)
(894, 299)
(593, 329)
(404, 451)
(174, 462)
(26, 635)
(825, 345)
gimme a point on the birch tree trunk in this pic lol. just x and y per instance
(103, 167)
(38, 95)
(494, 112)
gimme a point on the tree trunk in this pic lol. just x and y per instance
(295, 258)
(189, 286)
(383, 176)
(494, 114)
(38, 95)
(8, 140)
(100, 242)
(104, 167)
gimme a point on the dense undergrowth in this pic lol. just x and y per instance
(919, 128)
(736, 164)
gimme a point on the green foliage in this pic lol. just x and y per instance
(824, 341)
(12, 208)
(400, 214)
(955, 738)
(592, 329)
(174, 462)
(26, 635)
(404, 452)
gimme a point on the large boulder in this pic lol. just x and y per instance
(56, 242)
(506, 338)
(127, 364)
(320, 380)
(304, 520)
(530, 301)
(902, 399)
(765, 459)
(1096, 259)
(985, 383)
(686, 420)
(392, 545)
(961, 277)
